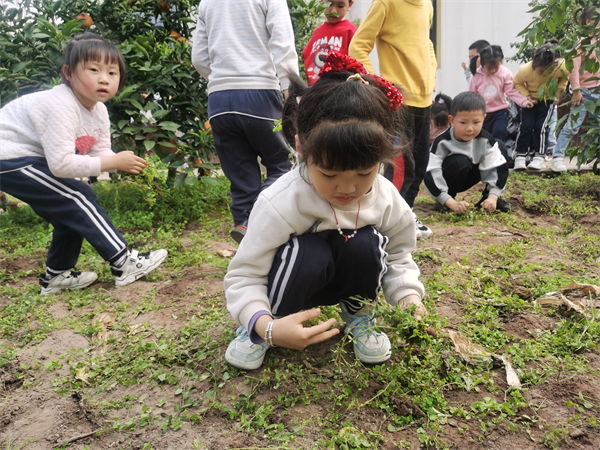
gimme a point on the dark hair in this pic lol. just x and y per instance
(440, 109)
(491, 55)
(545, 55)
(342, 124)
(467, 101)
(479, 45)
(92, 47)
(583, 14)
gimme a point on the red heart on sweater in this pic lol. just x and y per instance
(84, 143)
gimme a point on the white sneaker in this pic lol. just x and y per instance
(243, 353)
(137, 265)
(520, 163)
(66, 280)
(370, 346)
(558, 165)
(423, 231)
(536, 163)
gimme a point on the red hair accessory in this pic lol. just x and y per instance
(338, 62)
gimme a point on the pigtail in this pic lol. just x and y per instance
(545, 56)
(473, 64)
(492, 54)
(296, 90)
(440, 109)
(583, 14)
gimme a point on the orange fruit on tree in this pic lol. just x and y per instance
(175, 35)
(182, 39)
(207, 127)
(164, 5)
(88, 20)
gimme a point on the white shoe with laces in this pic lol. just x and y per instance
(69, 279)
(370, 346)
(423, 231)
(537, 163)
(137, 265)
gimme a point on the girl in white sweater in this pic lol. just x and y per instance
(330, 231)
(49, 138)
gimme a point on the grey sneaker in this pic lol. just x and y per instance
(370, 346)
(243, 353)
(423, 231)
(66, 280)
(137, 265)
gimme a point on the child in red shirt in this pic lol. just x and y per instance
(335, 34)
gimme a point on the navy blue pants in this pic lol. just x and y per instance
(322, 269)
(242, 122)
(534, 122)
(71, 206)
(410, 171)
(495, 123)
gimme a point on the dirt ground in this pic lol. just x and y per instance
(41, 416)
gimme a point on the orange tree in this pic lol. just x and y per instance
(554, 20)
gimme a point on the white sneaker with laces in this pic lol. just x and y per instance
(243, 353)
(66, 280)
(423, 231)
(520, 163)
(137, 265)
(558, 165)
(536, 163)
(370, 346)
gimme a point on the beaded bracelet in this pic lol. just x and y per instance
(269, 334)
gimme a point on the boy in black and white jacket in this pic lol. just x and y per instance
(464, 155)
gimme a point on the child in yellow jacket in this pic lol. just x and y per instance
(546, 64)
(400, 28)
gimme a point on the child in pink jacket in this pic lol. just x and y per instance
(494, 82)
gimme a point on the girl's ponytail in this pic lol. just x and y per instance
(440, 109)
(545, 55)
(583, 14)
(296, 89)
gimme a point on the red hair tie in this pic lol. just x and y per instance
(338, 62)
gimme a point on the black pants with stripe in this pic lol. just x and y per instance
(534, 124)
(71, 206)
(322, 269)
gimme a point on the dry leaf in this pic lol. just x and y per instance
(585, 288)
(226, 253)
(476, 354)
(556, 298)
(81, 375)
(104, 320)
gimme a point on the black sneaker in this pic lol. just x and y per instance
(238, 233)
(441, 208)
(501, 204)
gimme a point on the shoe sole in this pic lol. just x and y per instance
(137, 275)
(56, 290)
(252, 365)
(558, 170)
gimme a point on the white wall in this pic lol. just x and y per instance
(462, 22)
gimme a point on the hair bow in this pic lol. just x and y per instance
(338, 62)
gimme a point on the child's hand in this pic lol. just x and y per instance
(289, 332)
(410, 300)
(529, 104)
(458, 207)
(489, 204)
(125, 161)
(464, 66)
(577, 98)
(532, 100)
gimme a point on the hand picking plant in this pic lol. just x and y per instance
(554, 20)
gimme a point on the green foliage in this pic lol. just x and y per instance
(554, 20)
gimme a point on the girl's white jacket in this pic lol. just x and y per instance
(291, 207)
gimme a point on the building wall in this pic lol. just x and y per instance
(461, 23)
